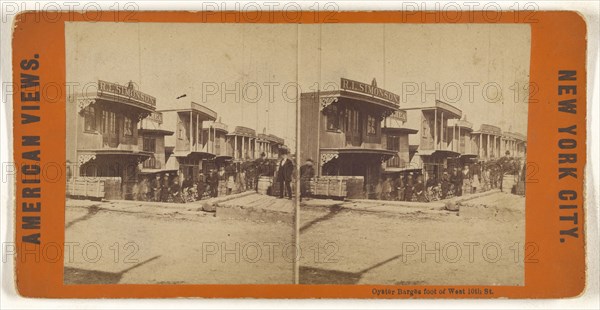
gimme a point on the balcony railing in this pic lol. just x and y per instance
(151, 163)
(393, 162)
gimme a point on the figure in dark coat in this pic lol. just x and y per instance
(445, 184)
(260, 169)
(408, 190)
(307, 172)
(154, 193)
(164, 188)
(201, 185)
(419, 190)
(213, 181)
(285, 168)
(456, 180)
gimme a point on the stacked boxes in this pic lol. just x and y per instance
(333, 186)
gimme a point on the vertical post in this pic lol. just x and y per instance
(497, 145)
(210, 143)
(442, 143)
(243, 148)
(488, 147)
(479, 151)
(458, 144)
(235, 153)
(198, 142)
(456, 136)
(435, 134)
(191, 118)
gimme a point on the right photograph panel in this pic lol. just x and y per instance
(413, 144)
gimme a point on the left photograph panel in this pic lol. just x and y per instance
(181, 152)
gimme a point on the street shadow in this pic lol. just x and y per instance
(310, 275)
(86, 276)
(333, 211)
(92, 210)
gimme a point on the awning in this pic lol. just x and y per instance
(445, 153)
(87, 155)
(116, 152)
(194, 154)
(223, 158)
(398, 130)
(154, 171)
(356, 150)
(406, 169)
(155, 132)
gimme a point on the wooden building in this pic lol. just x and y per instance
(341, 130)
(515, 143)
(434, 148)
(186, 145)
(102, 134)
(241, 144)
(460, 141)
(396, 138)
(214, 139)
(487, 141)
(269, 144)
(151, 138)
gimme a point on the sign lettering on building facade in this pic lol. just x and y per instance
(371, 90)
(108, 88)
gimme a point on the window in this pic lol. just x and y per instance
(89, 117)
(393, 143)
(149, 144)
(371, 125)
(333, 119)
(127, 126)
(109, 122)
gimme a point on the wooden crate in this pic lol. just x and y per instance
(329, 186)
(86, 187)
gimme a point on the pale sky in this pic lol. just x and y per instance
(167, 60)
(419, 56)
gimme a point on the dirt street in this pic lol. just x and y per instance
(173, 247)
(481, 244)
(351, 242)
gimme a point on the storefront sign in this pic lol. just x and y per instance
(400, 115)
(156, 117)
(371, 90)
(126, 92)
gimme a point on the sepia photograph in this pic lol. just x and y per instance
(400, 148)
(413, 153)
(181, 148)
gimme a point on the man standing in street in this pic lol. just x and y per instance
(456, 180)
(214, 183)
(307, 172)
(155, 188)
(260, 168)
(284, 175)
(504, 165)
